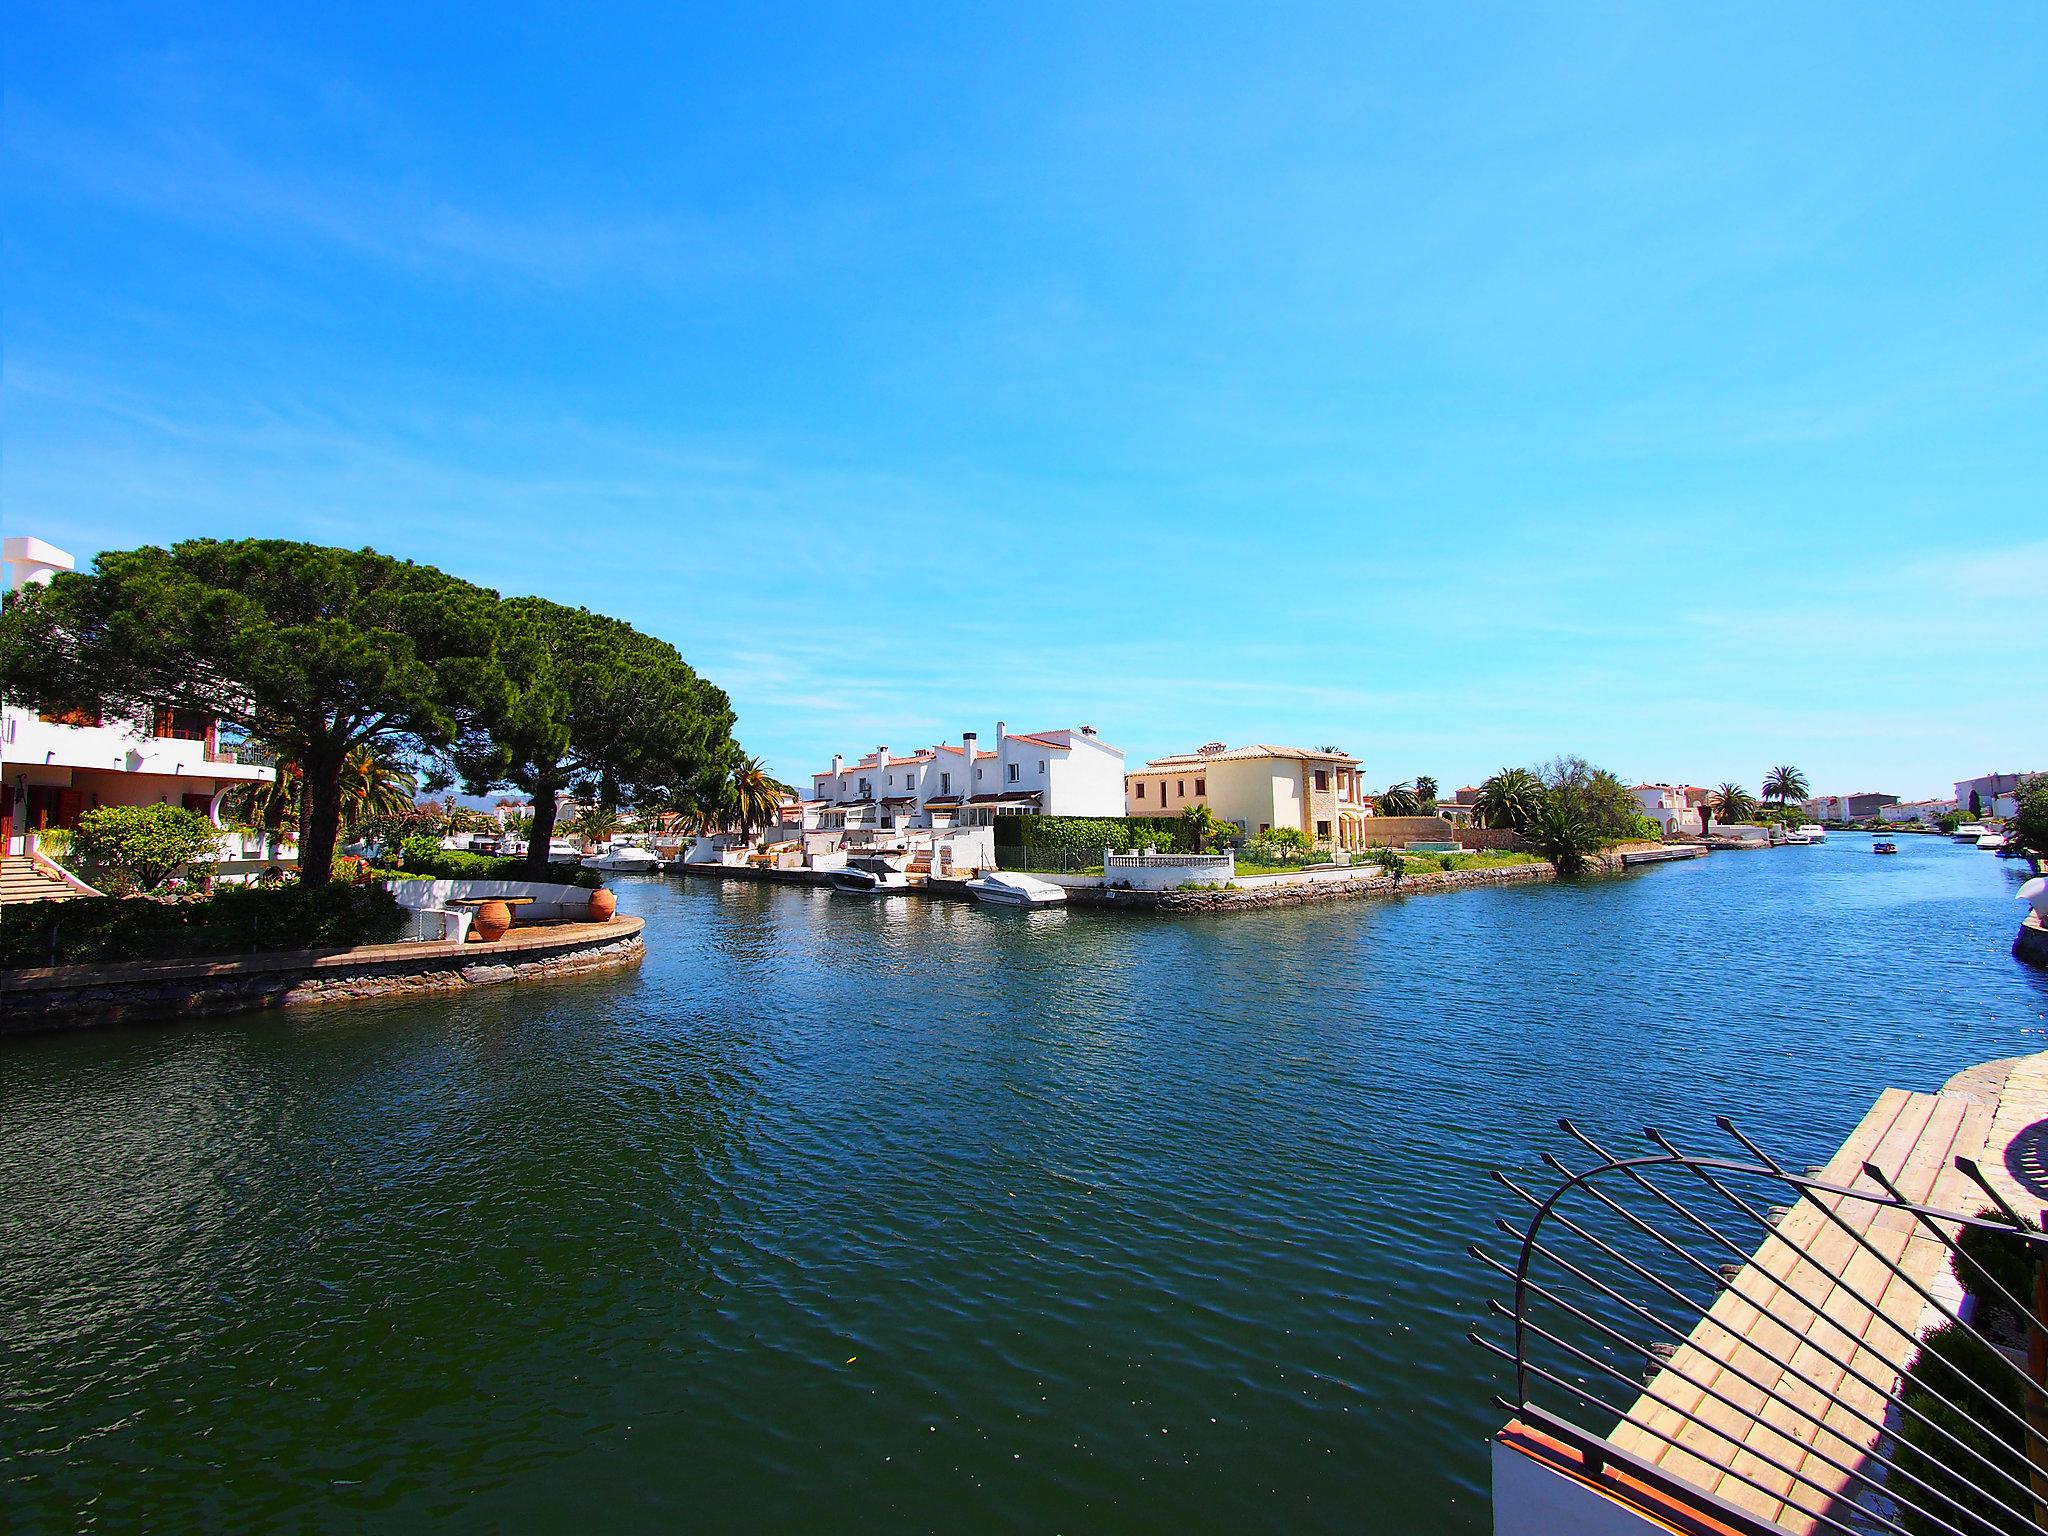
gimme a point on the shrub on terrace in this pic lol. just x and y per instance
(425, 856)
(237, 920)
(138, 847)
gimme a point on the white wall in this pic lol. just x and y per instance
(1168, 872)
(1531, 1499)
(549, 901)
(1086, 780)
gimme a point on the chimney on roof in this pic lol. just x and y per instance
(969, 740)
(838, 762)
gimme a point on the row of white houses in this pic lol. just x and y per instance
(1067, 772)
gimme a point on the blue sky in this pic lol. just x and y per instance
(1456, 384)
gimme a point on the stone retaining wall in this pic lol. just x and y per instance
(1307, 891)
(70, 996)
(2032, 943)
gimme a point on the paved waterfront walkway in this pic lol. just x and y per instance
(1813, 1291)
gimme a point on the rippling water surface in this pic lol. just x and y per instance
(855, 1216)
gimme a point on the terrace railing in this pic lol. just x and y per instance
(1724, 1337)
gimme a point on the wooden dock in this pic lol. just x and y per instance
(1812, 1291)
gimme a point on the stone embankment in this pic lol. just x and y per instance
(2032, 943)
(1304, 892)
(74, 995)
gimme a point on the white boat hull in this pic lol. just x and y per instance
(626, 861)
(1002, 889)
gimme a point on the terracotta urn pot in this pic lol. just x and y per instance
(602, 905)
(493, 920)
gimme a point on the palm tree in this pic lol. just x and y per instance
(372, 785)
(1785, 785)
(1731, 802)
(596, 824)
(1508, 800)
(1398, 800)
(757, 795)
(1202, 831)
(1562, 833)
(1425, 789)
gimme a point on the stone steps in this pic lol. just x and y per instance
(21, 881)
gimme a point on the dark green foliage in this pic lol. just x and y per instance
(2029, 829)
(1563, 834)
(1282, 845)
(314, 651)
(593, 706)
(1075, 835)
(438, 863)
(238, 920)
(1955, 1381)
(1508, 799)
(1398, 800)
(2006, 1256)
(131, 848)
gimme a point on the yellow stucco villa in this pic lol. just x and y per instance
(1259, 787)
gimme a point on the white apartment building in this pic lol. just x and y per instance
(1926, 812)
(1997, 793)
(55, 768)
(1054, 773)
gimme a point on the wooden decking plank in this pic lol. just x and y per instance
(1736, 1312)
(1779, 1430)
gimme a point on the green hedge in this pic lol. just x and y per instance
(422, 857)
(242, 919)
(1089, 834)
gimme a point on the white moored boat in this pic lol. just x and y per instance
(1815, 832)
(870, 877)
(624, 859)
(1005, 889)
(1797, 837)
(1969, 832)
(1992, 842)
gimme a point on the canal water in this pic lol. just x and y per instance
(910, 1216)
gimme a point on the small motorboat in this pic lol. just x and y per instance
(1005, 888)
(1884, 845)
(1992, 842)
(1797, 839)
(562, 851)
(624, 859)
(1814, 832)
(870, 877)
(1969, 832)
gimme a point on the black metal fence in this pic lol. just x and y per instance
(1620, 1264)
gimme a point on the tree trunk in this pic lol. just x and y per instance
(320, 824)
(543, 831)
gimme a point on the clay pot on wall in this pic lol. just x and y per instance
(493, 920)
(602, 905)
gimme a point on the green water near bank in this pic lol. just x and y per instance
(882, 1216)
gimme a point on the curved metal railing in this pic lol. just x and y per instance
(1741, 1325)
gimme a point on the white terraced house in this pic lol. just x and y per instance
(1054, 773)
(55, 768)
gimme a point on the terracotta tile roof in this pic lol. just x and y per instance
(1247, 754)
